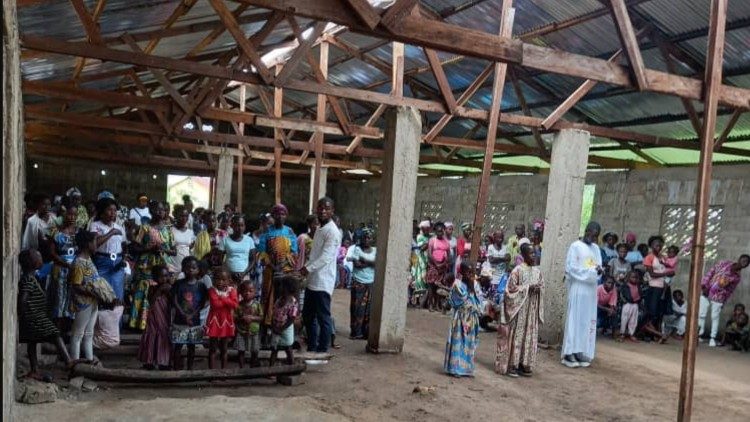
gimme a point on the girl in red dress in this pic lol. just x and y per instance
(220, 321)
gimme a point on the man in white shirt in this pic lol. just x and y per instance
(321, 279)
(140, 214)
(38, 225)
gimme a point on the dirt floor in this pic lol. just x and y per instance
(626, 382)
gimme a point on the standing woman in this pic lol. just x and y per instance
(656, 272)
(63, 251)
(463, 245)
(239, 249)
(184, 238)
(438, 256)
(277, 248)
(363, 256)
(75, 200)
(83, 301)
(109, 241)
(462, 338)
(419, 270)
(155, 244)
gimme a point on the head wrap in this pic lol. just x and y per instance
(630, 237)
(486, 272)
(279, 208)
(368, 232)
(465, 226)
(523, 241)
(73, 192)
(424, 224)
(105, 194)
(448, 224)
(142, 196)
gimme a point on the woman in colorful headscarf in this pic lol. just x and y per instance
(74, 199)
(63, 250)
(419, 269)
(277, 248)
(155, 244)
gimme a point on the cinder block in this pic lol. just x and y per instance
(289, 380)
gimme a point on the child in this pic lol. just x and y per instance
(606, 306)
(670, 262)
(34, 324)
(155, 348)
(630, 293)
(187, 297)
(676, 321)
(248, 317)
(619, 267)
(737, 333)
(739, 309)
(285, 311)
(220, 322)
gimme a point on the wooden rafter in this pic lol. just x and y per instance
(441, 79)
(629, 42)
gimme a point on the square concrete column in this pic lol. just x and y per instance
(223, 190)
(398, 186)
(321, 186)
(567, 177)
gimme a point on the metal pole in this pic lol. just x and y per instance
(712, 85)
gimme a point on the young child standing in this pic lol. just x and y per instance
(247, 321)
(630, 293)
(187, 297)
(155, 349)
(220, 323)
(285, 312)
(34, 323)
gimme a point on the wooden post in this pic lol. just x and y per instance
(240, 158)
(397, 75)
(13, 187)
(506, 30)
(712, 87)
(321, 117)
(278, 134)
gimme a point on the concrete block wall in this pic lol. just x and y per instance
(259, 196)
(624, 201)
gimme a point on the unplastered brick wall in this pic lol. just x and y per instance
(54, 176)
(624, 201)
(259, 196)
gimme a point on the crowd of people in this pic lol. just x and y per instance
(184, 277)
(618, 289)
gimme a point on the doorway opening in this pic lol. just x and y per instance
(199, 189)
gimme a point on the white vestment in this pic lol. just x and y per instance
(580, 278)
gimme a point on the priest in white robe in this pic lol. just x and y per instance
(583, 268)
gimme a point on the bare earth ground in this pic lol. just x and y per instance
(626, 382)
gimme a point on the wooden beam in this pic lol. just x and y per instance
(367, 14)
(525, 108)
(506, 30)
(217, 31)
(299, 54)
(441, 79)
(466, 96)
(109, 98)
(241, 131)
(278, 134)
(629, 42)
(89, 25)
(712, 84)
(728, 129)
(397, 74)
(321, 117)
(242, 42)
(394, 15)
(451, 38)
(574, 98)
(370, 123)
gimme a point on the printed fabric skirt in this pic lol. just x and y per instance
(184, 334)
(359, 309)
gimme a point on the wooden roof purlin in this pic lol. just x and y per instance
(159, 112)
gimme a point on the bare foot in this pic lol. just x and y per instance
(633, 339)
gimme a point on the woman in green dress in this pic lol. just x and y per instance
(155, 244)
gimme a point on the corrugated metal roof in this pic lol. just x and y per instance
(596, 37)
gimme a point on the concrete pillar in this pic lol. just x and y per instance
(398, 186)
(223, 189)
(13, 187)
(321, 186)
(570, 150)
